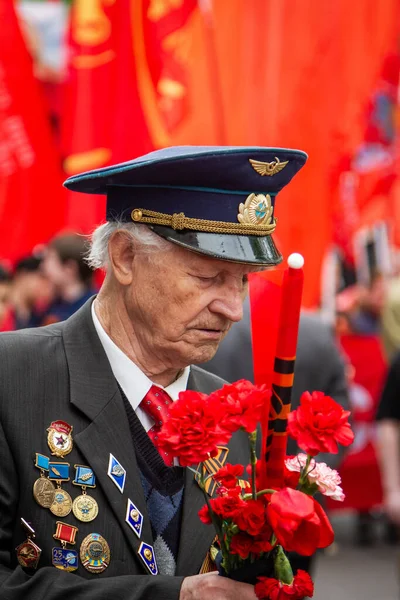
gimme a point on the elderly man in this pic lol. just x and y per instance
(82, 400)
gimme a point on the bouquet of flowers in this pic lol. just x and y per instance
(256, 526)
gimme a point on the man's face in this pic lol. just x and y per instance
(182, 304)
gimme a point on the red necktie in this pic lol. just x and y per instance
(155, 404)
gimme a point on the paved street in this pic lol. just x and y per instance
(350, 573)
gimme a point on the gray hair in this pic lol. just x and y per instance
(97, 256)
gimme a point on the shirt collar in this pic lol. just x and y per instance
(134, 383)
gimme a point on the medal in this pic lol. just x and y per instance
(43, 489)
(64, 558)
(59, 438)
(62, 504)
(95, 553)
(85, 508)
(28, 553)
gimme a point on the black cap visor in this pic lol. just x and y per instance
(244, 249)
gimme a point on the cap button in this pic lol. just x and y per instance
(136, 214)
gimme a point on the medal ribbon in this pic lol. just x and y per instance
(65, 533)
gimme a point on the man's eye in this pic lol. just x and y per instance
(245, 279)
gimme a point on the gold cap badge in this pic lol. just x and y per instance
(271, 168)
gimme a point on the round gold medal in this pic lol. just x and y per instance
(62, 504)
(85, 508)
(95, 553)
(44, 492)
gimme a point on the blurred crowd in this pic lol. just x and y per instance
(47, 286)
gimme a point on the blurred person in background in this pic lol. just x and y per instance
(5, 290)
(65, 267)
(31, 293)
(388, 418)
(316, 347)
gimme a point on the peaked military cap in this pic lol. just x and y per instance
(218, 201)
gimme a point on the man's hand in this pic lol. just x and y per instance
(212, 585)
(392, 505)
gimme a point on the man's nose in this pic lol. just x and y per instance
(229, 304)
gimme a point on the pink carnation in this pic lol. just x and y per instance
(328, 480)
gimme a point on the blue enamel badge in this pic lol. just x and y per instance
(134, 518)
(65, 559)
(116, 473)
(59, 471)
(147, 555)
(84, 476)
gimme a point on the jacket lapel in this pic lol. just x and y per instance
(94, 392)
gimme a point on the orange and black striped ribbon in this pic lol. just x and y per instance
(213, 465)
(282, 384)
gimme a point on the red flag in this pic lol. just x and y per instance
(31, 196)
(126, 88)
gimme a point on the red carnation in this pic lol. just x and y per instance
(228, 475)
(241, 544)
(290, 478)
(269, 588)
(241, 405)
(299, 522)
(227, 506)
(204, 515)
(319, 424)
(252, 517)
(193, 431)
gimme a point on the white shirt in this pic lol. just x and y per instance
(134, 383)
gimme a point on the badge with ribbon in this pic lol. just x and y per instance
(43, 489)
(62, 504)
(84, 507)
(59, 438)
(28, 553)
(64, 558)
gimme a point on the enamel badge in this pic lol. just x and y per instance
(95, 553)
(64, 558)
(28, 553)
(59, 438)
(134, 518)
(146, 553)
(116, 473)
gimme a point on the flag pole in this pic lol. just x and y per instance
(275, 441)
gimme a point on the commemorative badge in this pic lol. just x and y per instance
(116, 473)
(59, 438)
(28, 553)
(95, 553)
(62, 504)
(64, 558)
(84, 507)
(134, 518)
(146, 553)
(44, 490)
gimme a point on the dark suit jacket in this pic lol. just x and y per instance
(61, 372)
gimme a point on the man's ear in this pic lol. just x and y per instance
(121, 254)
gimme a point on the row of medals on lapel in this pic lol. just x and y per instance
(48, 493)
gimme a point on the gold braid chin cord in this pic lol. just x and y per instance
(179, 221)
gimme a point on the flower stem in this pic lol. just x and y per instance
(253, 461)
(258, 494)
(304, 472)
